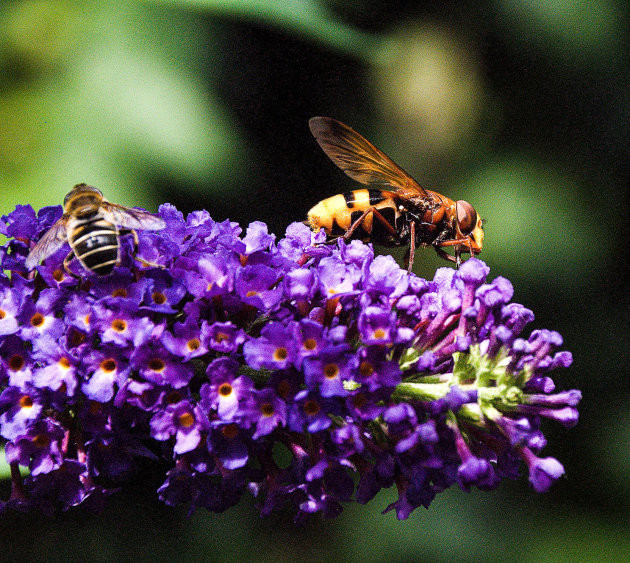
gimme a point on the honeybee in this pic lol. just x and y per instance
(395, 210)
(90, 224)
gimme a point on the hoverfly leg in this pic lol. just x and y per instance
(375, 214)
(142, 261)
(442, 254)
(411, 251)
(66, 267)
(458, 257)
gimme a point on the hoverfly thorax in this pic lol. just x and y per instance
(82, 200)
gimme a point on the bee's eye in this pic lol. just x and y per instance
(466, 217)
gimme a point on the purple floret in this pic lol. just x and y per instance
(307, 374)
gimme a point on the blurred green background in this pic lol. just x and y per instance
(521, 108)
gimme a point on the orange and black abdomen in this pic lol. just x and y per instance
(336, 215)
(95, 243)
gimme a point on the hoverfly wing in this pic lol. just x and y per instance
(53, 240)
(129, 218)
(359, 158)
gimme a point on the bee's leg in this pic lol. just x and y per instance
(375, 214)
(142, 261)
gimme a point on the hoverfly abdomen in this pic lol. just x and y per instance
(338, 213)
(96, 244)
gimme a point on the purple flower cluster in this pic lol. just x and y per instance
(285, 369)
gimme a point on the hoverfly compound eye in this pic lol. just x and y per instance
(466, 217)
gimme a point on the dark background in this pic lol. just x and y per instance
(522, 110)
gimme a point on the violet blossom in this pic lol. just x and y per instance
(237, 344)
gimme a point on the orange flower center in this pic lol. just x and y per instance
(26, 402)
(366, 369)
(186, 420)
(221, 337)
(120, 292)
(359, 400)
(331, 371)
(16, 362)
(266, 409)
(158, 298)
(225, 390)
(173, 397)
(108, 365)
(280, 354)
(118, 325)
(310, 344)
(41, 440)
(230, 431)
(193, 344)
(157, 364)
(311, 407)
(37, 320)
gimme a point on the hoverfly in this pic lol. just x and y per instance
(90, 224)
(395, 210)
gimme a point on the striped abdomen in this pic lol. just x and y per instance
(336, 214)
(95, 243)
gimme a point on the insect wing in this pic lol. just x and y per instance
(360, 159)
(129, 218)
(52, 241)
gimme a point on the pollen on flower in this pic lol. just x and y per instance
(331, 371)
(366, 369)
(310, 344)
(3, 314)
(225, 390)
(186, 419)
(59, 275)
(267, 409)
(157, 364)
(41, 440)
(173, 398)
(26, 402)
(158, 298)
(119, 292)
(119, 325)
(280, 354)
(193, 344)
(37, 320)
(108, 365)
(251, 293)
(230, 431)
(311, 407)
(221, 337)
(284, 388)
(64, 363)
(379, 333)
(16, 362)
(359, 400)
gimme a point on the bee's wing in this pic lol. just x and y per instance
(52, 241)
(130, 218)
(360, 159)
